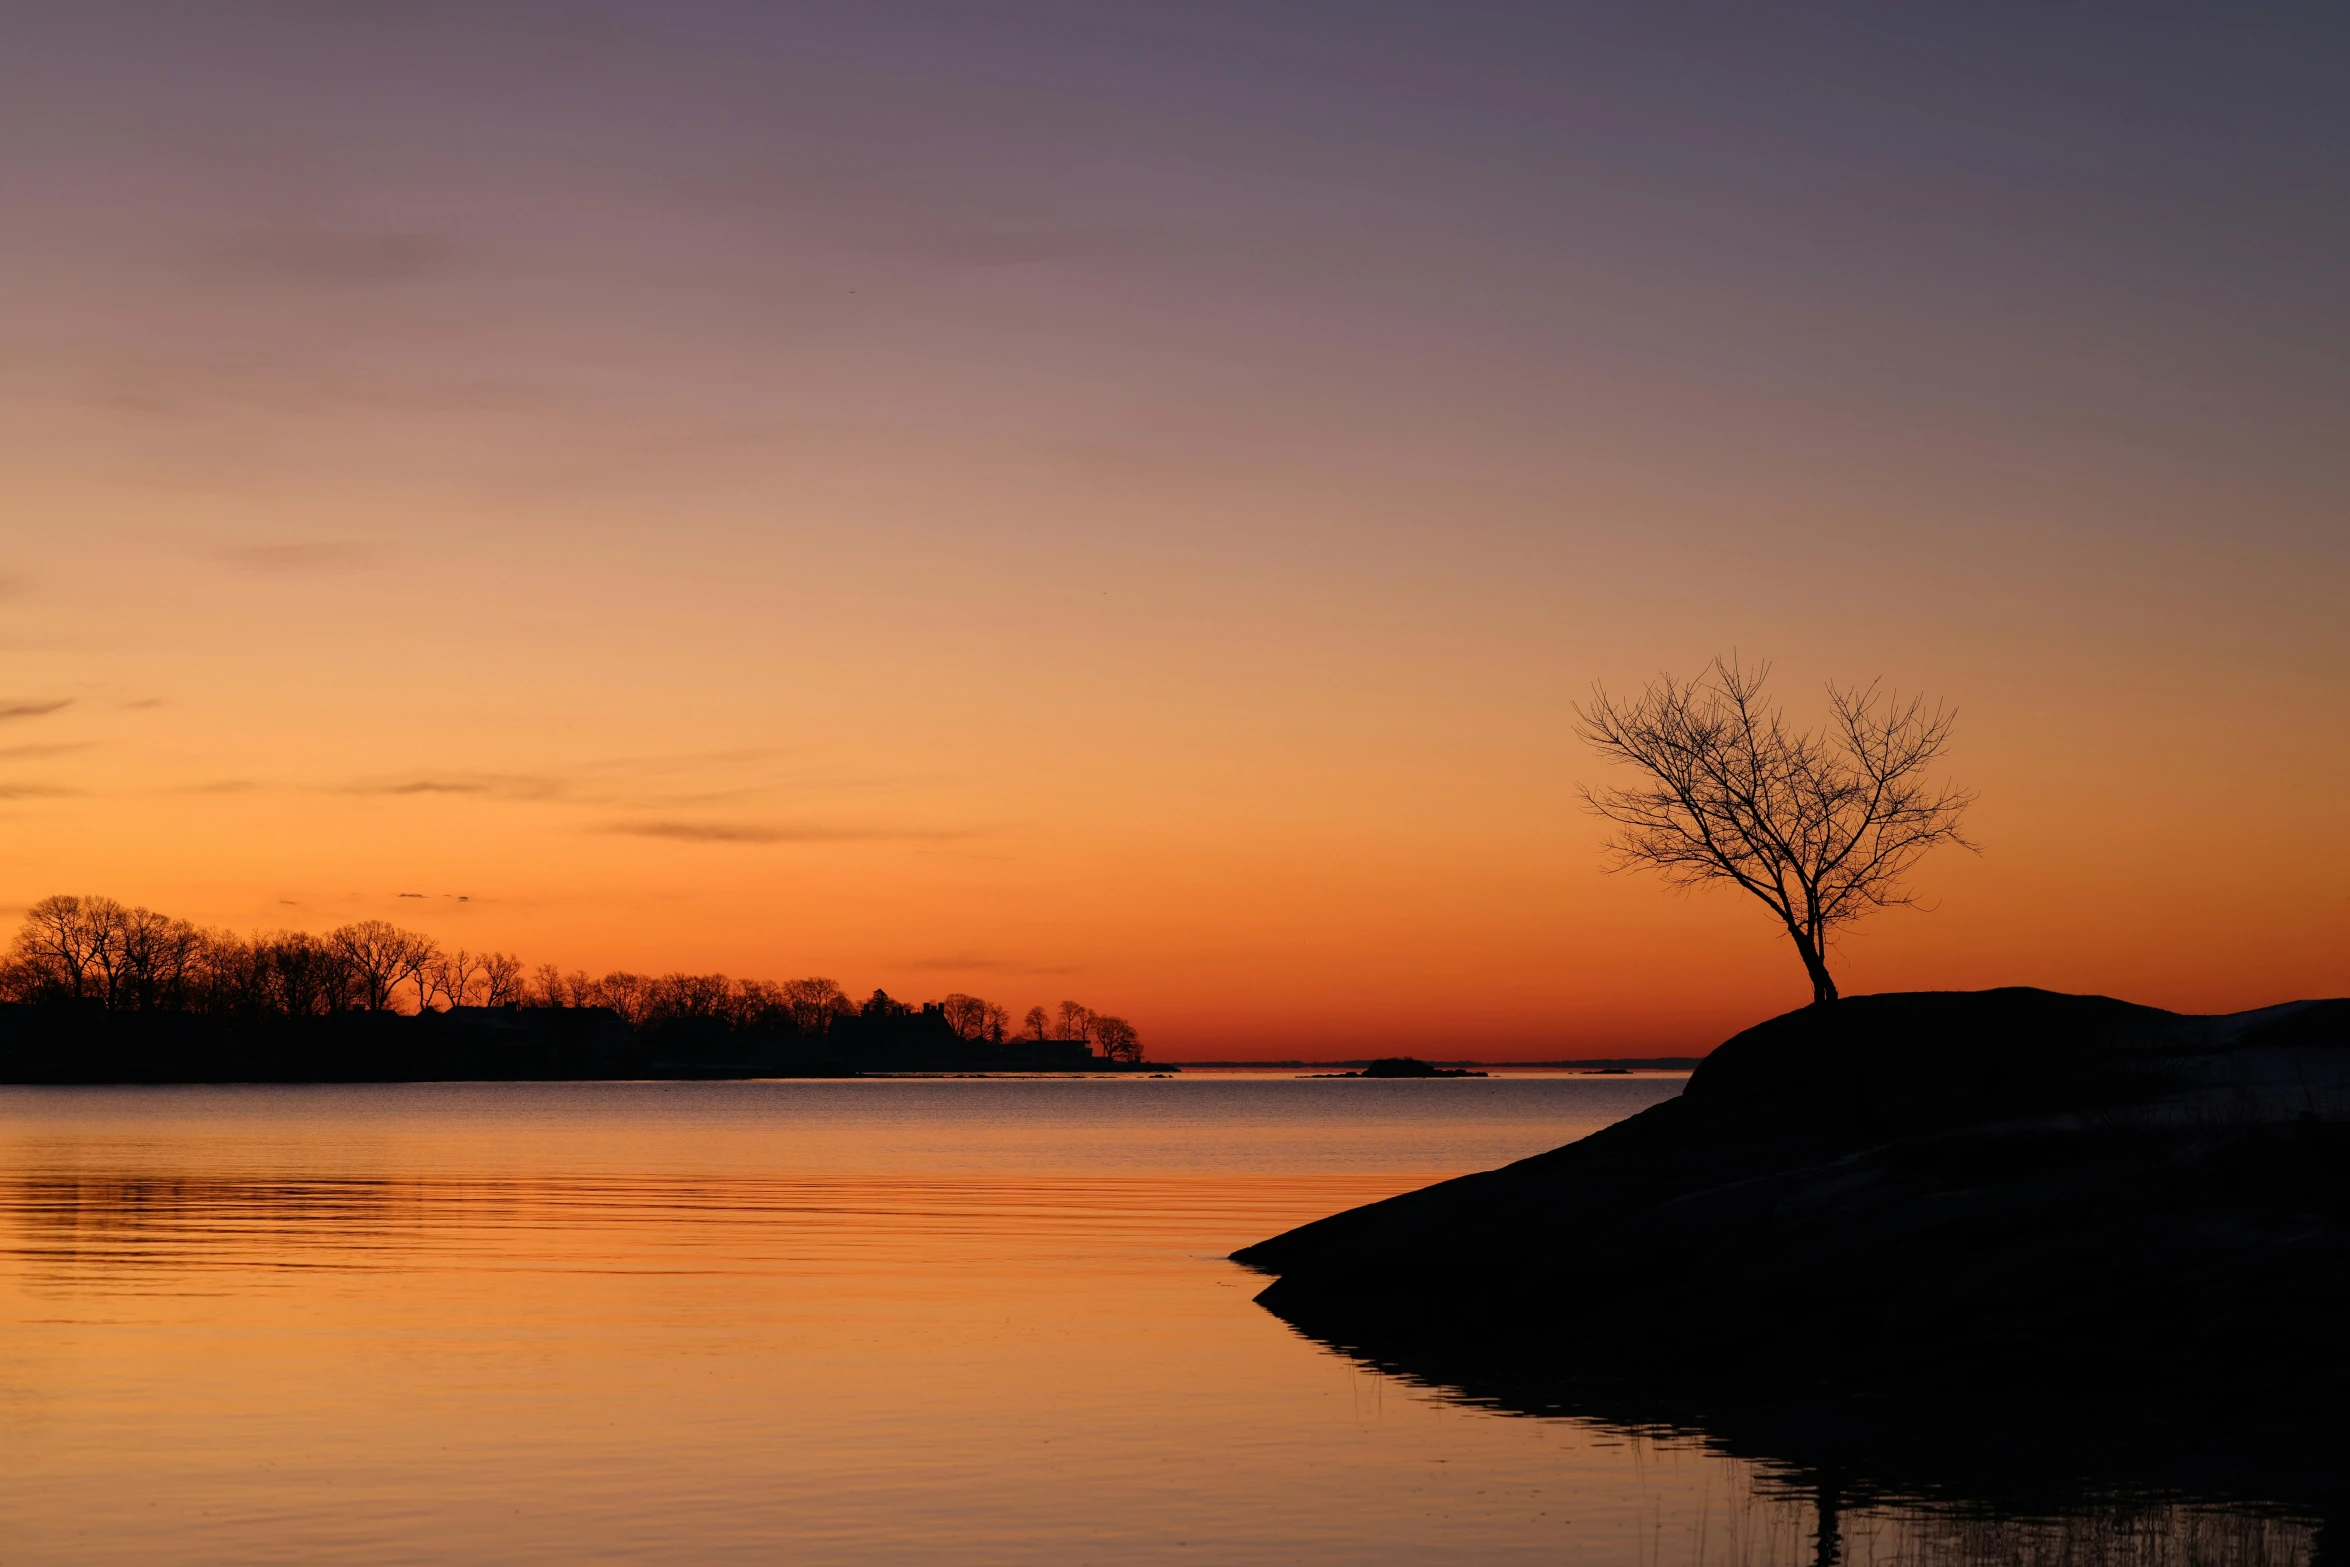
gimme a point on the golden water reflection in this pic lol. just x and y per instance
(825, 1322)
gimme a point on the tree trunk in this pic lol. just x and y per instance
(1823, 988)
(1828, 1510)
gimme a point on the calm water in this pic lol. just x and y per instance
(909, 1321)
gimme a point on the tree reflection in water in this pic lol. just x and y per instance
(1839, 1484)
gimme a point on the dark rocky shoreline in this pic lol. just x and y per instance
(1898, 1222)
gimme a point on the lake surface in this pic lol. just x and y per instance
(967, 1321)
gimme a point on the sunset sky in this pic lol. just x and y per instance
(1116, 501)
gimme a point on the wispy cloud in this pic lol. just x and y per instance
(320, 555)
(10, 710)
(776, 832)
(341, 257)
(223, 786)
(991, 245)
(969, 964)
(18, 753)
(658, 797)
(32, 791)
(495, 786)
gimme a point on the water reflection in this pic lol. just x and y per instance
(2046, 1481)
(871, 1323)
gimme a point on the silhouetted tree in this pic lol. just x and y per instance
(674, 996)
(93, 949)
(307, 976)
(501, 979)
(60, 948)
(575, 989)
(1115, 1037)
(967, 1015)
(228, 980)
(89, 949)
(156, 958)
(814, 1003)
(547, 987)
(625, 993)
(381, 958)
(755, 1003)
(451, 976)
(1821, 825)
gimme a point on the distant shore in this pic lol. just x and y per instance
(83, 1043)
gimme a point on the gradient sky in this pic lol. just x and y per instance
(1116, 501)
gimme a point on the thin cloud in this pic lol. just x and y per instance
(994, 245)
(672, 761)
(341, 258)
(760, 832)
(496, 786)
(18, 753)
(275, 558)
(967, 964)
(27, 791)
(223, 786)
(10, 710)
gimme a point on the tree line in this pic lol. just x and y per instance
(95, 951)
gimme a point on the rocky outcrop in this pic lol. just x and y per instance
(1967, 1191)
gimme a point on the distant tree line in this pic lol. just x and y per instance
(92, 952)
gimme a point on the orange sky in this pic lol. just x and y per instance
(1134, 535)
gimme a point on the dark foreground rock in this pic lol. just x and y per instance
(1897, 1214)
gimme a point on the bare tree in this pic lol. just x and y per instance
(994, 1021)
(453, 976)
(628, 994)
(73, 948)
(814, 1003)
(1116, 1037)
(758, 1003)
(306, 975)
(159, 955)
(1823, 825)
(501, 979)
(382, 958)
(687, 995)
(103, 922)
(967, 1015)
(1037, 1023)
(60, 946)
(1073, 1018)
(547, 987)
